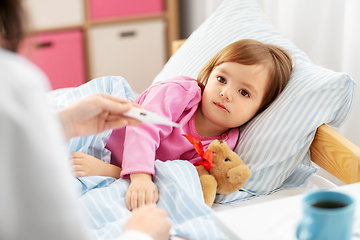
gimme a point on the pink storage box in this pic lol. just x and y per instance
(100, 9)
(60, 55)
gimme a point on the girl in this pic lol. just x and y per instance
(235, 85)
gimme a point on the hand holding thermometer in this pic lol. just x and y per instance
(148, 117)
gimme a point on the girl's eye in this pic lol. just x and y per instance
(244, 93)
(221, 79)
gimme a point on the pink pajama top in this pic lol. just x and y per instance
(135, 148)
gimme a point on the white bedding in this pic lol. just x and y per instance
(314, 182)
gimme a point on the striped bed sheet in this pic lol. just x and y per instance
(102, 199)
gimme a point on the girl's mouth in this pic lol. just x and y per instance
(221, 107)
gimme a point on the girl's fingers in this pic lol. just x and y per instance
(76, 161)
(80, 174)
(141, 199)
(77, 154)
(78, 168)
(150, 197)
(134, 200)
(156, 196)
(128, 200)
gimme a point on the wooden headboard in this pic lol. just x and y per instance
(336, 154)
(329, 150)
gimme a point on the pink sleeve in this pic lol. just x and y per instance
(168, 99)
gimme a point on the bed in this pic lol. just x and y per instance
(280, 145)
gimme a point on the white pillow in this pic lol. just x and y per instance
(275, 144)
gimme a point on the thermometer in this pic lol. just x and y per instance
(148, 117)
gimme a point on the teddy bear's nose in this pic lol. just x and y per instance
(221, 141)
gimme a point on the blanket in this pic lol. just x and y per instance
(102, 199)
(103, 202)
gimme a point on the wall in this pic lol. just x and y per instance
(194, 12)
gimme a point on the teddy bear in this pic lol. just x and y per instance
(221, 169)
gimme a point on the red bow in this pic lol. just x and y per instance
(206, 156)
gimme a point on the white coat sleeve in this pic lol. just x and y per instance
(134, 235)
(38, 199)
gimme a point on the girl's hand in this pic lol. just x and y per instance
(85, 165)
(142, 191)
(95, 114)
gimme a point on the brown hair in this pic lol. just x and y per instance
(251, 52)
(12, 29)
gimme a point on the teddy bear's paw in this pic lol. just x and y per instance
(208, 185)
(239, 174)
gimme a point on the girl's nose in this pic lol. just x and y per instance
(225, 94)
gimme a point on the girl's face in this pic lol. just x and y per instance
(232, 95)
